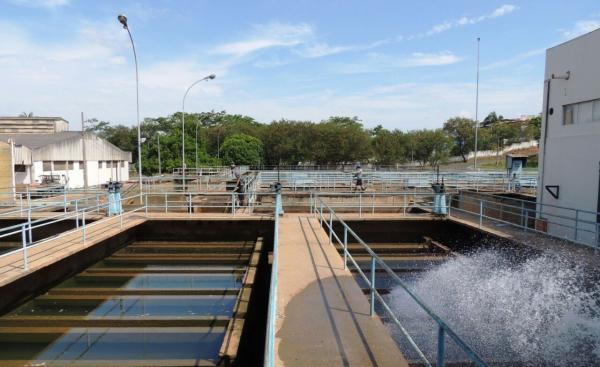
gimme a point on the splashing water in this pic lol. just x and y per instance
(542, 311)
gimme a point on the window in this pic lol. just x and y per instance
(60, 165)
(123, 162)
(47, 166)
(568, 115)
(20, 168)
(581, 113)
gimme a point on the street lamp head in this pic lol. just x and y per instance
(123, 20)
(211, 76)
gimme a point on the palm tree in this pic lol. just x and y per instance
(25, 114)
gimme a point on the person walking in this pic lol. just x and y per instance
(239, 185)
(358, 175)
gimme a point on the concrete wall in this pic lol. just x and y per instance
(99, 172)
(570, 154)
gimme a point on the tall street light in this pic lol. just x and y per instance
(197, 147)
(206, 78)
(123, 20)
(476, 107)
(158, 134)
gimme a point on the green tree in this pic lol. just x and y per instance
(462, 131)
(242, 149)
(431, 146)
(389, 147)
(501, 134)
(534, 128)
(492, 118)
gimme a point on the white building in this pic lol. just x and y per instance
(570, 140)
(60, 157)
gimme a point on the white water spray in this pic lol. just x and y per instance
(537, 312)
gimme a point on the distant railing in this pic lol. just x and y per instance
(377, 262)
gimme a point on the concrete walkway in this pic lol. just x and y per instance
(323, 316)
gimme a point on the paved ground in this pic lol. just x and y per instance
(323, 316)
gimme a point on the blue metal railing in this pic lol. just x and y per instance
(272, 312)
(376, 261)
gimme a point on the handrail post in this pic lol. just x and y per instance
(83, 225)
(405, 204)
(24, 243)
(76, 215)
(373, 204)
(166, 204)
(360, 205)
(330, 226)
(480, 213)
(98, 203)
(146, 203)
(441, 347)
(29, 226)
(190, 203)
(321, 213)
(233, 203)
(345, 248)
(576, 222)
(65, 199)
(372, 309)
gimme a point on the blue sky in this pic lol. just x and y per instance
(405, 65)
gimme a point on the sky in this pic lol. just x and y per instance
(404, 65)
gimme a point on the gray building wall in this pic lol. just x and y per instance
(570, 153)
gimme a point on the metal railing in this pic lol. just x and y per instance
(384, 181)
(375, 202)
(81, 224)
(376, 262)
(575, 225)
(135, 203)
(213, 202)
(269, 359)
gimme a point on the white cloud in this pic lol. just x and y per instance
(322, 49)
(581, 27)
(429, 59)
(41, 3)
(463, 21)
(377, 62)
(267, 36)
(503, 10)
(513, 60)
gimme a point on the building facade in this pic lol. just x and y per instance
(570, 139)
(69, 158)
(33, 125)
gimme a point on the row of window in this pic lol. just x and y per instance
(581, 113)
(70, 165)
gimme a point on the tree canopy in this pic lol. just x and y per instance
(213, 138)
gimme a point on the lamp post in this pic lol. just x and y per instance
(206, 78)
(158, 134)
(123, 20)
(476, 108)
(197, 146)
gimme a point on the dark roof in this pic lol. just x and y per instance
(39, 140)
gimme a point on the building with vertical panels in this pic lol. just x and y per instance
(43, 155)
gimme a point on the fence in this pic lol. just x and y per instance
(376, 262)
(386, 181)
(576, 225)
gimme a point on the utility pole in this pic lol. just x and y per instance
(476, 107)
(85, 171)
